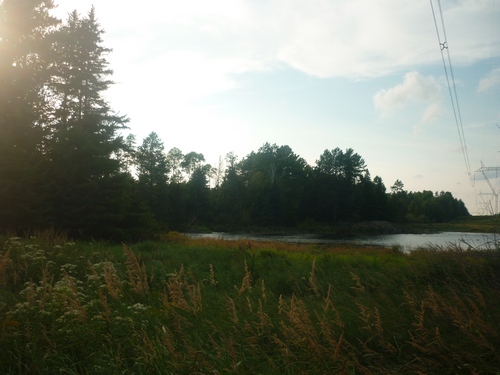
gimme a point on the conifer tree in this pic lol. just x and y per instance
(152, 172)
(24, 46)
(84, 141)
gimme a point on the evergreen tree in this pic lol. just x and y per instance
(231, 195)
(398, 201)
(84, 141)
(196, 190)
(151, 162)
(24, 27)
(152, 172)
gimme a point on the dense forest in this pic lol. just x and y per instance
(66, 163)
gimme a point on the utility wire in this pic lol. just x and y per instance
(453, 94)
(492, 40)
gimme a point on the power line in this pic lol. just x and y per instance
(443, 45)
(492, 40)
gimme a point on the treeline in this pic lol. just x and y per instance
(64, 162)
(274, 187)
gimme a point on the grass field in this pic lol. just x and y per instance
(181, 306)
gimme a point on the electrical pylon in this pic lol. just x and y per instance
(494, 193)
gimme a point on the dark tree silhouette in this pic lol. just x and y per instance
(24, 46)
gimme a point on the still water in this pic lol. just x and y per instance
(405, 241)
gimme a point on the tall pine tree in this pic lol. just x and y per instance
(89, 193)
(24, 45)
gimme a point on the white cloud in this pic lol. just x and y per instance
(324, 38)
(492, 79)
(415, 89)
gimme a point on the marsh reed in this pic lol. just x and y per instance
(199, 307)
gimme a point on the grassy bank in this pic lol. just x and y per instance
(470, 224)
(182, 306)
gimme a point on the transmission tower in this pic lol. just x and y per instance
(487, 205)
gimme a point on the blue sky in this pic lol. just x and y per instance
(229, 75)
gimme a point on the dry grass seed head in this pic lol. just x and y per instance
(264, 320)
(194, 295)
(337, 348)
(247, 280)
(359, 287)
(329, 306)
(301, 325)
(47, 284)
(249, 304)
(231, 309)
(313, 282)
(410, 300)
(282, 305)
(285, 351)
(136, 273)
(167, 340)
(105, 305)
(5, 263)
(479, 297)
(73, 300)
(183, 295)
(145, 347)
(420, 317)
(113, 282)
(365, 315)
(232, 354)
(212, 276)
(50, 235)
(263, 289)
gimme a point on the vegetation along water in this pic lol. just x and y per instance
(193, 306)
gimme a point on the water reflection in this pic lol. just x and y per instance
(405, 241)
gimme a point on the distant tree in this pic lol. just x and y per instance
(197, 197)
(398, 187)
(152, 172)
(380, 202)
(151, 162)
(274, 178)
(337, 173)
(347, 165)
(126, 155)
(175, 158)
(398, 202)
(192, 162)
(231, 196)
(231, 160)
(438, 207)
(217, 173)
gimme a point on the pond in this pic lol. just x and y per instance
(405, 241)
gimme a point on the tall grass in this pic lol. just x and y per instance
(182, 306)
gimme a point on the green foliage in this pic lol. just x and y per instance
(59, 148)
(198, 306)
(426, 207)
(64, 163)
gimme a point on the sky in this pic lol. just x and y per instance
(224, 76)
